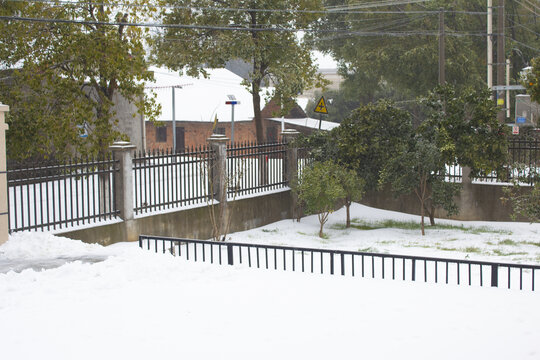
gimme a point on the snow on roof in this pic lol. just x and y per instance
(309, 123)
(324, 61)
(200, 99)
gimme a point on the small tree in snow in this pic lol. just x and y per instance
(319, 189)
(420, 169)
(353, 186)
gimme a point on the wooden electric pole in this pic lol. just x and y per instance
(501, 61)
(442, 55)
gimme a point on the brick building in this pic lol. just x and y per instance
(196, 103)
(195, 133)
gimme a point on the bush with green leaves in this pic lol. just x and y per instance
(420, 169)
(369, 137)
(524, 203)
(319, 189)
(463, 124)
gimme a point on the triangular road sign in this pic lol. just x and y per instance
(321, 107)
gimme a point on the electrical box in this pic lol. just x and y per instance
(527, 112)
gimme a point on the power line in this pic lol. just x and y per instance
(526, 7)
(235, 27)
(149, 25)
(524, 27)
(167, 87)
(532, 4)
(339, 8)
(525, 45)
(322, 11)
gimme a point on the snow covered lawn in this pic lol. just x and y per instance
(120, 302)
(382, 231)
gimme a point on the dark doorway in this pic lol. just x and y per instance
(180, 141)
(271, 134)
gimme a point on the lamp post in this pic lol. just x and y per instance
(174, 116)
(232, 101)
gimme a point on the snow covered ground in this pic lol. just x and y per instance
(383, 231)
(122, 302)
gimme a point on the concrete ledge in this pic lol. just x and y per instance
(191, 223)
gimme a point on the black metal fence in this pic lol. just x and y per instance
(164, 180)
(523, 164)
(524, 160)
(53, 196)
(253, 168)
(351, 263)
(304, 160)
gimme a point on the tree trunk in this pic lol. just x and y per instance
(322, 220)
(256, 88)
(422, 217)
(263, 165)
(348, 207)
(431, 213)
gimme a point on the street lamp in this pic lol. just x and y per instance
(232, 101)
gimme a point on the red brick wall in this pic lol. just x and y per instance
(196, 133)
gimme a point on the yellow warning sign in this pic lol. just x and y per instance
(215, 123)
(321, 107)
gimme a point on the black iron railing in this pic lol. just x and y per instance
(56, 195)
(352, 263)
(304, 160)
(253, 168)
(164, 180)
(523, 164)
(524, 160)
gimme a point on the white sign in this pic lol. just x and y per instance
(515, 130)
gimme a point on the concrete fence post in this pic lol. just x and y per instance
(290, 170)
(4, 223)
(123, 183)
(467, 202)
(218, 175)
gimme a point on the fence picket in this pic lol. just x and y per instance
(279, 254)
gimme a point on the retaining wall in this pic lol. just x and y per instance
(191, 223)
(479, 202)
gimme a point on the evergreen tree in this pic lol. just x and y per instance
(260, 33)
(319, 189)
(420, 169)
(66, 73)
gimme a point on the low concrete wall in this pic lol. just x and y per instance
(191, 223)
(480, 202)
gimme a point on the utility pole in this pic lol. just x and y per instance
(489, 44)
(173, 121)
(507, 86)
(442, 55)
(501, 61)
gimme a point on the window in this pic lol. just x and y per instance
(220, 130)
(161, 134)
(271, 134)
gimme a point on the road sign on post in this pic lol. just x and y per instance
(321, 109)
(321, 106)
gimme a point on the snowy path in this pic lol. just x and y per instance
(139, 305)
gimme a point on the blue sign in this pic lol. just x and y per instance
(521, 120)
